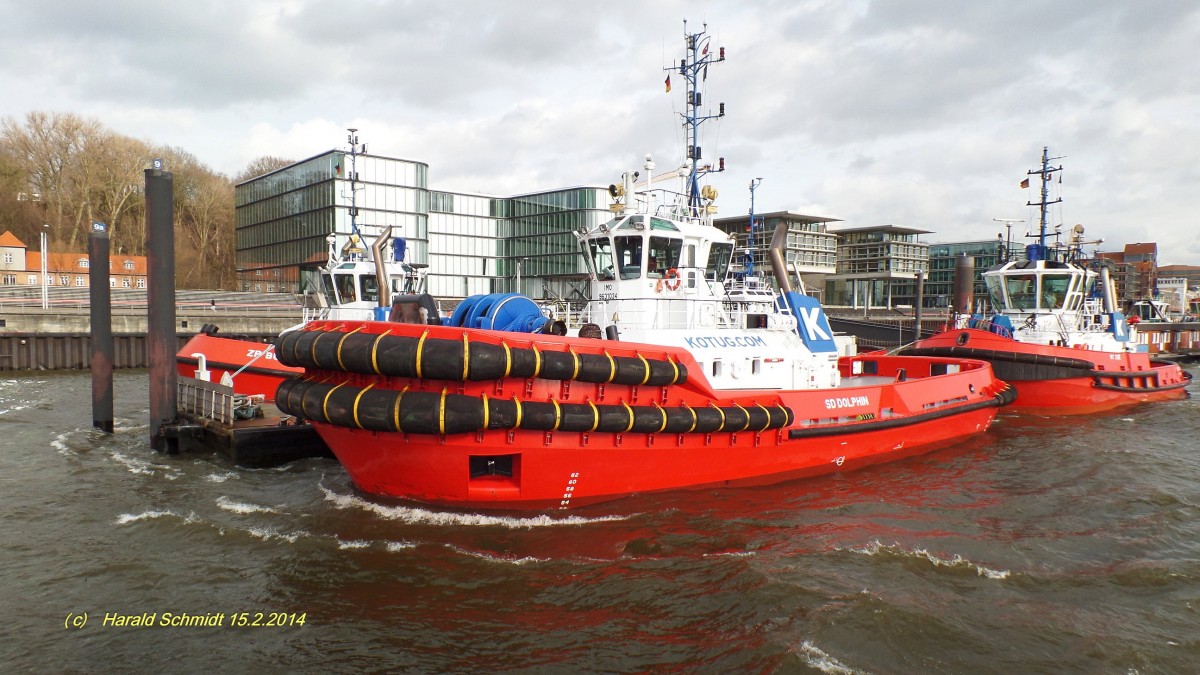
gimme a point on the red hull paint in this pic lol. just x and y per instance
(228, 355)
(891, 415)
(559, 470)
(1112, 380)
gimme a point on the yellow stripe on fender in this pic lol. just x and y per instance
(595, 416)
(442, 413)
(356, 400)
(342, 366)
(396, 409)
(575, 360)
(374, 352)
(695, 418)
(420, 349)
(664, 416)
(466, 357)
(722, 412)
(747, 425)
(325, 401)
(767, 424)
(630, 411)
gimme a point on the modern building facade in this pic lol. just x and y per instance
(811, 248)
(939, 283)
(877, 266)
(289, 220)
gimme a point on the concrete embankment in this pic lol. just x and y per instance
(32, 338)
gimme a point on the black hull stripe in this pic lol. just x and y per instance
(1001, 399)
(1137, 390)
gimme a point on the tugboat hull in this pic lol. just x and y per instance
(1062, 380)
(554, 439)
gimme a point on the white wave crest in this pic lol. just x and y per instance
(394, 546)
(127, 518)
(418, 516)
(240, 507)
(143, 467)
(875, 548)
(823, 662)
(352, 543)
(492, 557)
(269, 533)
(221, 477)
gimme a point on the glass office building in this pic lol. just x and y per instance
(939, 284)
(471, 243)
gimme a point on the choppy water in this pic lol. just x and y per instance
(1047, 545)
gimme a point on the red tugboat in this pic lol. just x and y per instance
(671, 378)
(1056, 333)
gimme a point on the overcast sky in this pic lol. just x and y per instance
(923, 113)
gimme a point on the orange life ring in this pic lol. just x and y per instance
(671, 279)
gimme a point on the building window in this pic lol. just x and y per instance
(80, 281)
(8, 258)
(141, 282)
(33, 280)
(64, 280)
(125, 283)
(112, 282)
(270, 288)
(128, 264)
(10, 280)
(258, 272)
(83, 263)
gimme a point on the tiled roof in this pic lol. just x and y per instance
(10, 240)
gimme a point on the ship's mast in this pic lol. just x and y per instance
(1039, 250)
(694, 69)
(355, 150)
(750, 239)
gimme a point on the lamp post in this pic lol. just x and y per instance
(519, 261)
(45, 258)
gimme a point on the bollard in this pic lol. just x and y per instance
(100, 315)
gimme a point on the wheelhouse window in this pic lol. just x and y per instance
(1021, 290)
(600, 251)
(664, 255)
(369, 288)
(629, 256)
(1054, 290)
(719, 256)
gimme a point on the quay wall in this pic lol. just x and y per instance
(59, 338)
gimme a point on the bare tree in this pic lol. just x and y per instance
(261, 166)
(203, 222)
(116, 189)
(20, 209)
(50, 148)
